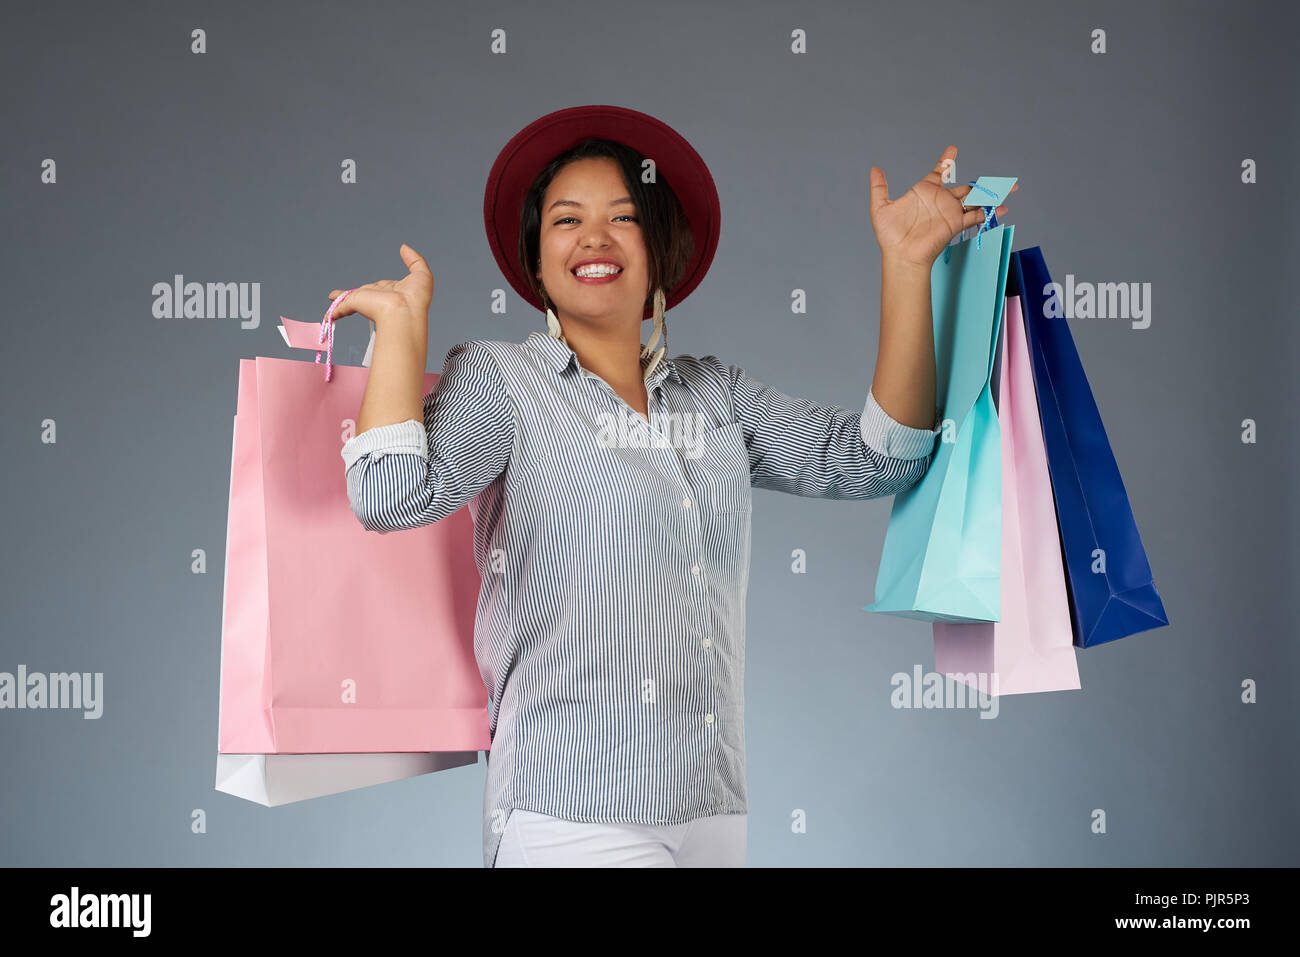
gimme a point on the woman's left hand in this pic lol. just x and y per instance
(914, 228)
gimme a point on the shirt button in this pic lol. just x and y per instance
(378, 455)
(706, 642)
(695, 569)
(686, 503)
(708, 718)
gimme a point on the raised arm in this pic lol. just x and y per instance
(412, 473)
(823, 451)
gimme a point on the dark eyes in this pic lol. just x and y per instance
(624, 216)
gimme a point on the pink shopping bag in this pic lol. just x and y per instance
(347, 653)
(1032, 647)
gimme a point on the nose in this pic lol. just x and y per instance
(595, 234)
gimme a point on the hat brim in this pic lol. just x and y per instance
(529, 150)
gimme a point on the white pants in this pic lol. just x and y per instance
(539, 840)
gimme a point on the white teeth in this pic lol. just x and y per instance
(596, 271)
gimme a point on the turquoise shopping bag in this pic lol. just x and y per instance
(942, 555)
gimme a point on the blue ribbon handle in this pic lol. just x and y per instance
(990, 220)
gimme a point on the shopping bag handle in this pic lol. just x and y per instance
(308, 335)
(990, 218)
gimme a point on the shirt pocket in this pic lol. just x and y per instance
(718, 468)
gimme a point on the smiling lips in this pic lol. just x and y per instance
(597, 272)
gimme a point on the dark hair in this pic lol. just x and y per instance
(664, 224)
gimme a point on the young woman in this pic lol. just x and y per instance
(610, 485)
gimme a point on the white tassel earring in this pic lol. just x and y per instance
(650, 356)
(553, 323)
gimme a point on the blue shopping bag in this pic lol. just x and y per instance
(942, 555)
(1111, 590)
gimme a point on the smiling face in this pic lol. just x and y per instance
(588, 217)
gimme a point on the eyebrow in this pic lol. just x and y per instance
(574, 202)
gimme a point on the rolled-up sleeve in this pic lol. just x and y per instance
(414, 473)
(891, 438)
(823, 451)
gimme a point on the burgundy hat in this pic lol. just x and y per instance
(533, 147)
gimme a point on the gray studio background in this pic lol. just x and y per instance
(224, 167)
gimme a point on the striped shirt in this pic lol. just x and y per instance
(614, 559)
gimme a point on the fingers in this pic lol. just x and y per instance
(936, 175)
(879, 189)
(975, 216)
(380, 284)
(374, 297)
(367, 300)
(414, 261)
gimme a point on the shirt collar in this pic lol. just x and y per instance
(562, 357)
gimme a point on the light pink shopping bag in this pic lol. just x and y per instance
(337, 640)
(1032, 647)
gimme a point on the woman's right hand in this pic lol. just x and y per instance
(391, 301)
